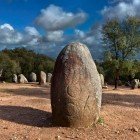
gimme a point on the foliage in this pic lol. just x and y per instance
(9, 66)
(21, 60)
(129, 68)
(101, 120)
(122, 38)
(122, 41)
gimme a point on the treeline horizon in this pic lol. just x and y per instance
(23, 61)
(120, 39)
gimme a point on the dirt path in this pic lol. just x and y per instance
(25, 113)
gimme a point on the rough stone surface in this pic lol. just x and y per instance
(22, 79)
(42, 78)
(33, 77)
(15, 78)
(49, 77)
(102, 79)
(135, 83)
(76, 88)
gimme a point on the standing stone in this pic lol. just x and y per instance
(49, 77)
(42, 78)
(102, 79)
(22, 79)
(15, 78)
(33, 77)
(76, 88)
(135, 83)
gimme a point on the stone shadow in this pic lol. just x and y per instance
(35, 92)
(122, 100)
(26, 116)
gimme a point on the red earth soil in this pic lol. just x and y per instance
(25, 114)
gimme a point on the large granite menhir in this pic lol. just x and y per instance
(76, 88)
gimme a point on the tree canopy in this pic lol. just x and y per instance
(21, 60)
(121, 40)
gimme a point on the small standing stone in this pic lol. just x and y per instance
(49, 77)
(15, 78)
(22, 79)
(135, 83)
(33, 77)
(42, 78)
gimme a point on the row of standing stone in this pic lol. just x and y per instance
(134, 83)
(43, 78)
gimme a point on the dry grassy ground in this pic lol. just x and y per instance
(25, 113)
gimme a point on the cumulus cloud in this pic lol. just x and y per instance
(31, 36)
(31, 31)
(51, 43)
(122, 9)
(9, 37)
(7, 26)
(55, 18)
(92, 39)
(55, 36)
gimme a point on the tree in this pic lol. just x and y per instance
(8, 66)
(122, 40)
(27, 60)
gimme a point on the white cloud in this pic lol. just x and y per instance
(31, 36)
(7, 26)
(32, 42)
(10, 37)
(92, 37)
(50, 44)
(31, 31)
(55, 18)
(55, 36)
(122, 9)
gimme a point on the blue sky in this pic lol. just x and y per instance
(46, 26)
(22, 13)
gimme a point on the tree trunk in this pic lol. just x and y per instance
(117, 78)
